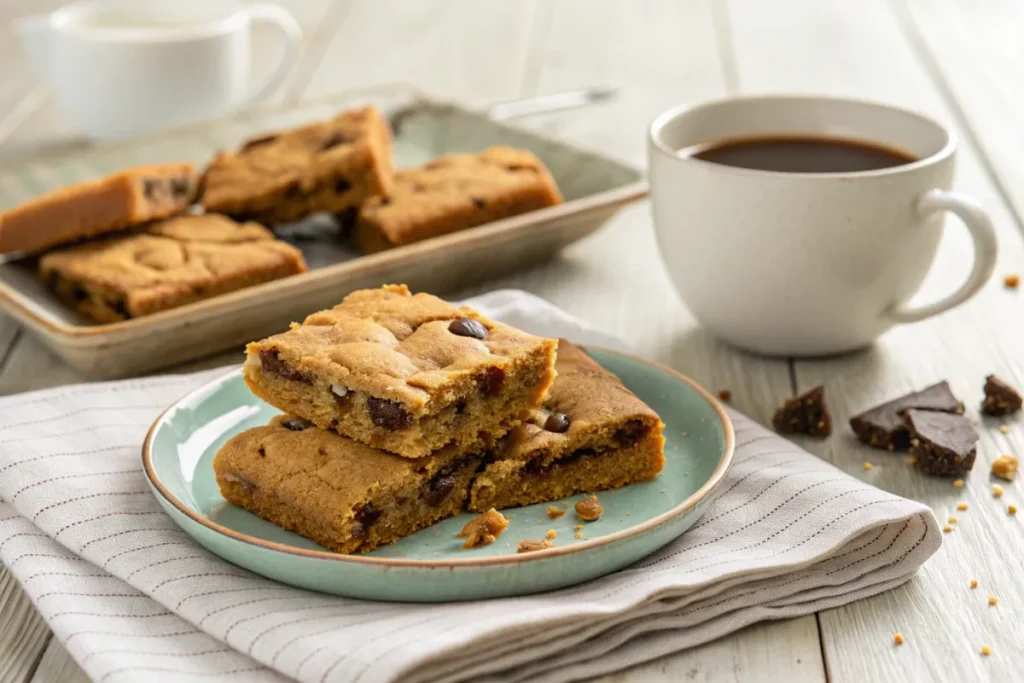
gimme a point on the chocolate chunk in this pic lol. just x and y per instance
(272, 363)
(293, 191)
(333, 140)
(805, 414)
(460, 406)
(296, 424)
(438, 489)
(1000, 397)
(79, 294)
(120, 306)
(467, 327)
(491, 380)
(347, 219)
(631, 432)
(342, 185)
(151, 187)
(557, 423)
(479, 203)
(257, 142)
(944, 444)
(388, 414)
(180, 186)
(365, 515)
(883, 426)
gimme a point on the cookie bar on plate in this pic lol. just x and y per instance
(590, 434)
(280, 177)
(408, 374)
(168, 264)
(454, 193)
(94, 207)
(338, 492)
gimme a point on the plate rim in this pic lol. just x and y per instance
(691, 501)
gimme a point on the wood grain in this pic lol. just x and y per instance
(57, 666)
(23, 634)
(944, 622)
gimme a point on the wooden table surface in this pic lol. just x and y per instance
(958, 60)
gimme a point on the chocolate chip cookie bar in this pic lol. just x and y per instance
(454, 193)
(408, 374)
(168, 264)
(884, 426)
(338, 492)
(590, 434)
(280, 177)
(94, 207)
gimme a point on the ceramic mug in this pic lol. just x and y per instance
(124, 67)
(791, 263)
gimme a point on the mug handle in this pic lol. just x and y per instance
(986, 247)
(290, 32)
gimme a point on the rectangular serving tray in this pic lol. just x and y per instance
(595, 188)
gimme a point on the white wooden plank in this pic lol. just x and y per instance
(860, 50)
(23, 633)
(57, 666)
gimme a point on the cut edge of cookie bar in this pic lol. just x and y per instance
(415, 211)
(303, 481)
(85, 278)
(90, 208)
(345, 369)
(335, 179)
(592, 434)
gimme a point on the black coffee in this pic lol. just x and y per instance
(796, 154)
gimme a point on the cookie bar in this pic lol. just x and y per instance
(591, 434)
(884, 427)
(807, 414)
(409, 374)
(98, 206)
(280, 177)
(338, 492)
(168, 264)
(1000, 398)
(454, 193)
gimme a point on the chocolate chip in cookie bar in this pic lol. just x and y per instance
(591, 434)
(168, 264)
(342, 494)
(330, 166)
(454, 193)
(94, 207)
(408, 374)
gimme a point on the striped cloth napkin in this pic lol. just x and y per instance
(133, 598)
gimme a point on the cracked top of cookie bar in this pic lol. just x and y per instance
(298, 158)
(587, 407)
(408, 348)
(289, 448)
(186, 252)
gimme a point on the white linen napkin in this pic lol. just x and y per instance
(133, 598)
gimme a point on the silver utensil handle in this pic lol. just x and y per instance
(549, 103)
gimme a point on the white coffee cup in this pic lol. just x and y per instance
(125, 67)
(789, 263)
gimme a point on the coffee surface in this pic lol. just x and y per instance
(799, 154)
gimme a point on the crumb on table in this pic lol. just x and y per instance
(551, 534)
(530, 545)
(725, 395)
(897, 638)
(483, 529)
(952, 519)
(986, 650)
(1005, 467)
(1012, 280)
(910, 460)
(992, 601)
(1003, 429)
(961, 506)
(958, 483)
(589, 509)
(1012, 509)
(868, 466)
(554, 512)
(997, 491)
(948, 528)
(974, 584)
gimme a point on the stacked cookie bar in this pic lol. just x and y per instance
(152, 238)
(402, 410)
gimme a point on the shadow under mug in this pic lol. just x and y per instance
(806, 264)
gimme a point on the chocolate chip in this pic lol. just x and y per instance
(180, 186)
(333, 140)
(460, 406)
(272, 363)
(384, 201)
(479, 203)
(341, 185)
(631, 432)
(261, 451)
(293, 191)
(121, 308)
(365, 515)
(533, 466)
(79, 294)
(557, 423)
(438, 489)
(388, 414)
(347, 219)
(491, 380)
(151, 187)
(256, 142)
(296, 424)
(467, 327)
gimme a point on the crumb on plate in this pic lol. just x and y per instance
(554, 512)
(529, 545)
(483, 529)
(589, 509)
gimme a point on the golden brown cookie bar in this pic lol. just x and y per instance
(168, 264)
(98, 206)
(591, 434)
(454, 193)
(338, 492)
(327, 166)
(408, 374)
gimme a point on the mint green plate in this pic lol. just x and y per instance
(430, 565)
